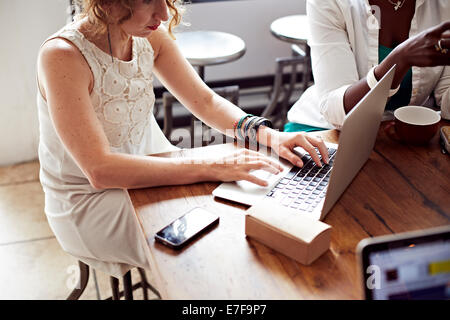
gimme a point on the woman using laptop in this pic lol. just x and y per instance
(355, 42)
(95, 106)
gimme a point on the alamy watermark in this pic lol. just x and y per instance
(73, 279)
(374, 279)
(181, 138)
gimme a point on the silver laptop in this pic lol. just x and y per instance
(313, 190)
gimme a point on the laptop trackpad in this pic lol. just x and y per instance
(261, 174)
(247, 192)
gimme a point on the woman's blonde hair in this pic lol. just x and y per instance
(96, 12)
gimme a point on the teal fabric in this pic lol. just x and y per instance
(296, 127)
(403, 96)
(400, 99)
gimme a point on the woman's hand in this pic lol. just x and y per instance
(283, 143)
(420, 50)
(238, 165)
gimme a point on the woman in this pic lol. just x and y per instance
(355, 42)
(95, 109)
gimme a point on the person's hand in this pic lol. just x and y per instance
(283, 144)
(239, 164)
(421, 50)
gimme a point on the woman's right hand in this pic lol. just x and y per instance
(420, 50)
(239, 164)
(417, 51)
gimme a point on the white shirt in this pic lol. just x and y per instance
(344, 46)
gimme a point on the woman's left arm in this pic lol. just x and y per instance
(442, 93)
(180, 78)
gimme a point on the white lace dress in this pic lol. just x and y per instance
(99, 227)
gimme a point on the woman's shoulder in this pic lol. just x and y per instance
(59, 58)
(335, 4)
(338, 9)
(60, 49)
(333, 12)
(62, 43)
(158, 39)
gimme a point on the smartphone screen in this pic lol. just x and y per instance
(186, 227)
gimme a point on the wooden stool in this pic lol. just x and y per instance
(116, 293)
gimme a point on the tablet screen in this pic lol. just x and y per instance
(409, 269)
(419, 271)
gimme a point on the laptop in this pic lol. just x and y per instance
(406, 266)
(313, 190)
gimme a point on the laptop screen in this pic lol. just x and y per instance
(408, 269)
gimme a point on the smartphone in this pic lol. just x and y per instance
(182, 230)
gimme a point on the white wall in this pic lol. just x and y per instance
(24, 24)
(250, 20)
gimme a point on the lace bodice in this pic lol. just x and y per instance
(123, 100)
(122, 96)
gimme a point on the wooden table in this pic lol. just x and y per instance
(401, 188)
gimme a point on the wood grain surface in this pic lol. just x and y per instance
(400, 188)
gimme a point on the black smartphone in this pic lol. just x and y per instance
(182, 230)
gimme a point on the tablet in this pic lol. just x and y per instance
(406, 266)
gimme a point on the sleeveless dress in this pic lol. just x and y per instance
(99, 227)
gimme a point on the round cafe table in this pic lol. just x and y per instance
(206, 48)
(293, 29)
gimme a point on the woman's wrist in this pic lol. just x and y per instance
(266, 136)
(253, 129)
(396, 57)
(401, 57)
(193, 170)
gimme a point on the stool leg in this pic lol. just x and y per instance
(114, 288)
(127, 286)
(82, 283)
(201, 73)
(97, 290)
(192, 129)
(147, 284)
(143, 283)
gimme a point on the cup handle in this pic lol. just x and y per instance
(390, 131)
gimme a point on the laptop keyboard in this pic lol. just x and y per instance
(304, 188)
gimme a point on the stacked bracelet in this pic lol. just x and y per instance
(250, 129)
(261, 122)
(239, 125)
(249, 124)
